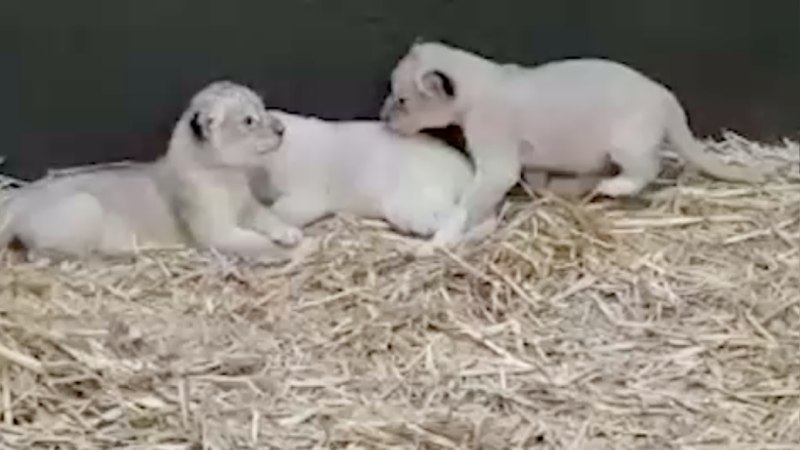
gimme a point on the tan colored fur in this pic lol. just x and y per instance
(567, 116)
(196, 194)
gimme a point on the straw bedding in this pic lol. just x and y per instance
(667, 322)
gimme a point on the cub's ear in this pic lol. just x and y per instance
(419, 40)
(438, 84)
(200, 125)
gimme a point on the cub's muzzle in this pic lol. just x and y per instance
(278, 127)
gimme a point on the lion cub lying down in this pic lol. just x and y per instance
(361, 168)
(196, 194)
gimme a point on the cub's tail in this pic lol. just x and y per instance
(681, 137)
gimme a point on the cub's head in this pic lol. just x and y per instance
(228, 125)
(423, 91)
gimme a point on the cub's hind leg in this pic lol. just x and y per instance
(635, 152)
(573, 187)
(569, 186)
(71, 225)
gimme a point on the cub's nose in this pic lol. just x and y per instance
(386, 109)
(278, 127)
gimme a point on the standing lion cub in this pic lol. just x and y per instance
(196, 194)
(567, 116)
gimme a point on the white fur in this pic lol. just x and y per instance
(567, 116)
(358, 167)
(196, 194)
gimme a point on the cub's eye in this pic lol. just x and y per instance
(249, 121)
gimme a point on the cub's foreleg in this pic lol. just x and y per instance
(497, 170)
(265, 221)
(219, 230)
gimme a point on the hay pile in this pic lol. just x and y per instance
(671, 322)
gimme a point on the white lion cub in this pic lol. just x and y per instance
(196, 194)
(359, 167)
(569, 116)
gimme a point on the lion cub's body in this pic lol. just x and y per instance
(573, 116)
(360, 168)
(197, 193)
(103, 210)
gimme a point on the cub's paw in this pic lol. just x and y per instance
(288, 235)
(619, 186)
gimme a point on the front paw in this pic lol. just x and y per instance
(451, 232)
(289, 236)
(442, 240)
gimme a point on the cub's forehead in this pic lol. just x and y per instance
(225, 92)
(242, 99)
(240, 96)
(405, 69)
(422, 51)
(232, 102)
(418, 57)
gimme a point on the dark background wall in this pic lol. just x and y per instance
(85, 81)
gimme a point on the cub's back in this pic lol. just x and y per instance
(570, 110)
(357, 165)
(131, 194)
(588, 87)
(408, 161)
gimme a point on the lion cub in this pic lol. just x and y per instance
(571, 116)
(361, 168)
(196, 194)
